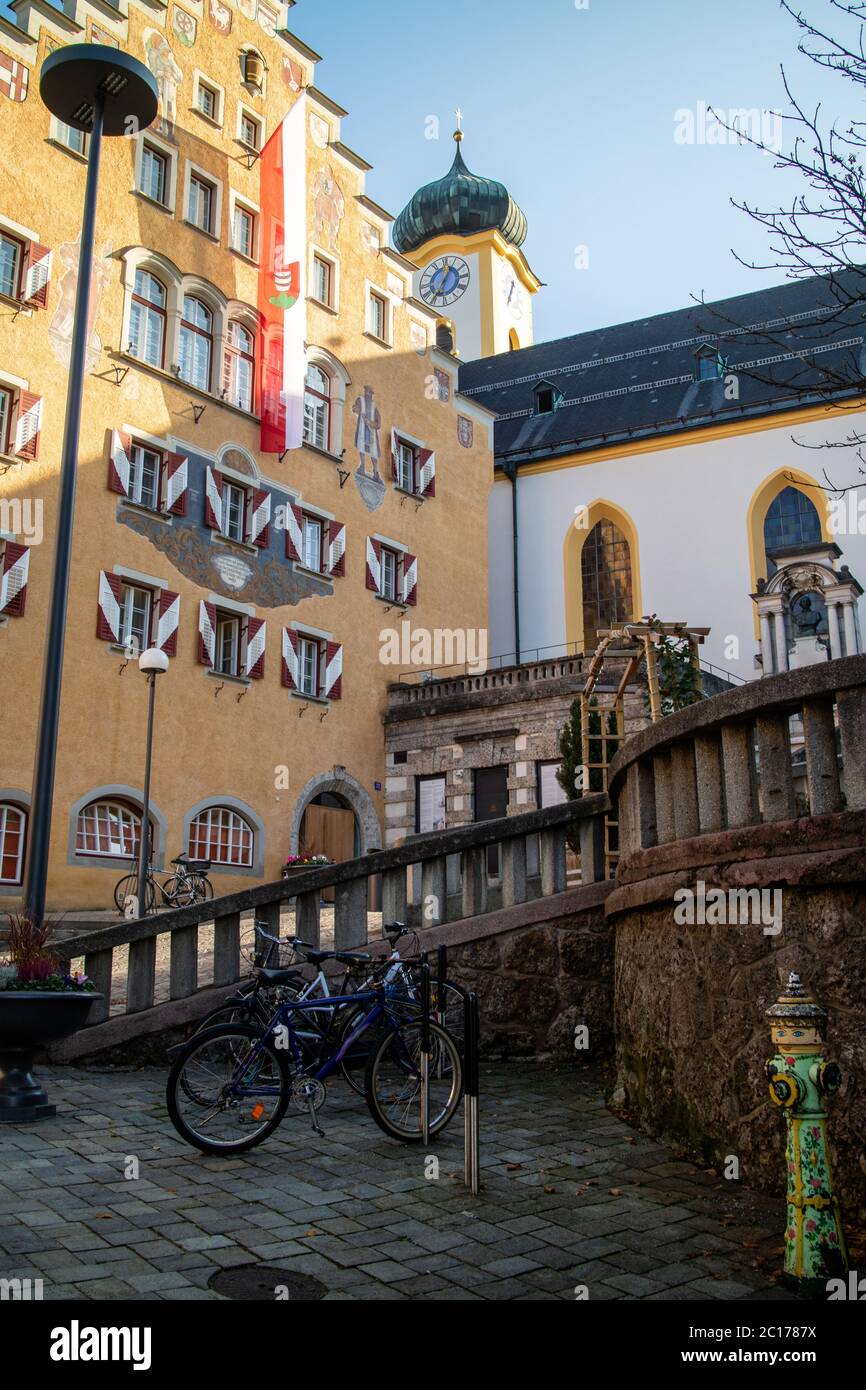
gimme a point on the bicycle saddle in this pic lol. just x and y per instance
(280, 977)
(181, 859)
(345, 957)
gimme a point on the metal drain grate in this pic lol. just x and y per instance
(266, 1283)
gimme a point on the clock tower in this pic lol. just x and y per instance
(464, 233)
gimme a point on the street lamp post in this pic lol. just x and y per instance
(101, 91)
(153, 663)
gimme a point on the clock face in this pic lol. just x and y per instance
(512, 291)
(444, 280)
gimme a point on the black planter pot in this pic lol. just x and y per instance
(29, 1020)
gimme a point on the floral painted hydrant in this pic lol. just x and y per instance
(799, 1080)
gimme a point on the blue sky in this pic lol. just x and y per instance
(574, 109)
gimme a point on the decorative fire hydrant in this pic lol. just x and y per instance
(799, 1080)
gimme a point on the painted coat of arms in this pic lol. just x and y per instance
(184, 26)
(220, 16)
(465, 431)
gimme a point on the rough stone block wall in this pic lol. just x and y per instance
(537, 984)
(692, 1038)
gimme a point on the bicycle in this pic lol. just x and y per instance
(234, 1077)
(187, 886)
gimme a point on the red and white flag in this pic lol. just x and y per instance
(282, 282)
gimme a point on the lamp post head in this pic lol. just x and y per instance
(153, 662)
(74, 78)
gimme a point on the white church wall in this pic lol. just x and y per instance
(690, 507)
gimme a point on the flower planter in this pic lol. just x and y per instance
(29, 1020)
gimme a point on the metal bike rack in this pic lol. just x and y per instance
(425, 1049)
(471, 1161)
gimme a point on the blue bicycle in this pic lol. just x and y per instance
(230, 1086)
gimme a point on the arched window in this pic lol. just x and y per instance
(196, 343)
(147, 319)
(317, 407)
(239, 366)
(606, 578)
(222, 836)
(792, 519)
(108, 828)
(13, 824)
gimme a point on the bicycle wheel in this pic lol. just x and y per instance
(127, 889)
(180, 891)
(393, 1082)
(354, 1064)
(204, 887)
(213, 1089)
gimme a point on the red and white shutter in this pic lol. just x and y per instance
(213, 499)
(336, 548)
(294, 532)
(410, 578)
(427, 473)
(108, 612)
(13, 578)
(167, 622)
(374, 565)
(333, 683)
(254, 664)
(290, 665)
(260, 519)
(120, 463)
(28, 425)
(206, 633)
(37, 275)
(395, 472)
(176, 483)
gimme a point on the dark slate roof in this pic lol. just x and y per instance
(786, 346)
(461, 202)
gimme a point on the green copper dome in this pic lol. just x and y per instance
(462, 202)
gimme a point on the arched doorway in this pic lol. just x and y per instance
(329, 826)
(348, 793)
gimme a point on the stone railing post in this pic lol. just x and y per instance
(434, 891)
(777, 781)
(307, 917)
(227, 949)
(685, 792)
(350, 914)
(708, 776)
(851, 708)
(664, 797)
(513, 871)
(140, 976)
(474, 882)
(553, 872)
(592, 865)
(738, 769)
(394, 895)
(822, 764)
(183, 964)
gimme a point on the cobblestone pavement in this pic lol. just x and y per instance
(570, 1196)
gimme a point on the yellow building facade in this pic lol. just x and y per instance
(270, 581)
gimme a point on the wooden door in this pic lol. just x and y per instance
(491, 802)
(329, 830)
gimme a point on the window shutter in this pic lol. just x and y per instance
(206, 633)
(176, 483)
(260, 519)
(294, 532)
(374, 565)
(257, 633)
(108, 611)
(394, 470)
(333, 688)
(13, 578)
(213, 499)
(427, 478)
(119, 462)
(410, 579)
(290, 659)
(227, 375)
(336, 548)
(37, 275)
(167, 622)
(28, 425)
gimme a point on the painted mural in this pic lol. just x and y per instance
(60, 328)
(96, 34)
(184, 26)
(465, 432)
(330, 207)
(160, 60)
(292, 74)
(370, 486)
(220, 16)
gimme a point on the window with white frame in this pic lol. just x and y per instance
(240, 366)
(136, 609)
(108, 828)
(377, 316)
(311, 537)
(323, 280)
(145, 471)
(390, 571)
(222, 836)
(153, 177)
(147, 319)
(227, 652)
(249, 130)
(234, 504)
(11, 261)
(201, 203)
(196, 343)
(308, 665)
(317, 407)
(7, 401)
(208, 100)
(244, 230)
(407, 466)
(13, 825)
(70, 138)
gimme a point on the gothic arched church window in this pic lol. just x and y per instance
(792, 519)
(606, 580)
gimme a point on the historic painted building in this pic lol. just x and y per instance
(647, 467)
(270, 579)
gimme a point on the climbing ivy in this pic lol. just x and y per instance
(679, 678)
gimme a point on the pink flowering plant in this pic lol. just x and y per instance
(295, 861)
(31, 964)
